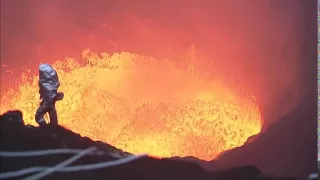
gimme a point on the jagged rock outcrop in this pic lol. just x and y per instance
(15, 136)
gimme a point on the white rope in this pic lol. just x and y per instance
(40, 152)
(87, 167)
(103, 165)
(313, 176)
(60, 165)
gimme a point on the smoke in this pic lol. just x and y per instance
(259, 46)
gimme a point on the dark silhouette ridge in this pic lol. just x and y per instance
(15, 136)
(286, 148)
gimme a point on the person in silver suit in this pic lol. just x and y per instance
(48, 90)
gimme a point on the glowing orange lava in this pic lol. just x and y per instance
(142, 105)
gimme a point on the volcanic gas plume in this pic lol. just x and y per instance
(141, 104)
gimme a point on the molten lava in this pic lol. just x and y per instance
(142, 105)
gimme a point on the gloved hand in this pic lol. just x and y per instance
(59, 96)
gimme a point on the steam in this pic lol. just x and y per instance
(252, 45)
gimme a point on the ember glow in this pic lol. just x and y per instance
(143, 105)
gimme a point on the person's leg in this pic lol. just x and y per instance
(41, 111)
(53, 114)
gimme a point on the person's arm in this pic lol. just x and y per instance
(47, 91)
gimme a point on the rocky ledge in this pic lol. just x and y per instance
(102, 161)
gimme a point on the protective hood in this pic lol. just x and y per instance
(46, 71)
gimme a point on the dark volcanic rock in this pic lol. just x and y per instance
(287, 148)
(17, 137)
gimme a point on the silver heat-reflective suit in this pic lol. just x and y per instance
(48, 89)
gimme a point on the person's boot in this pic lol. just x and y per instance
(42, 122)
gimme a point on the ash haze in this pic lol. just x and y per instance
(265, 47)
